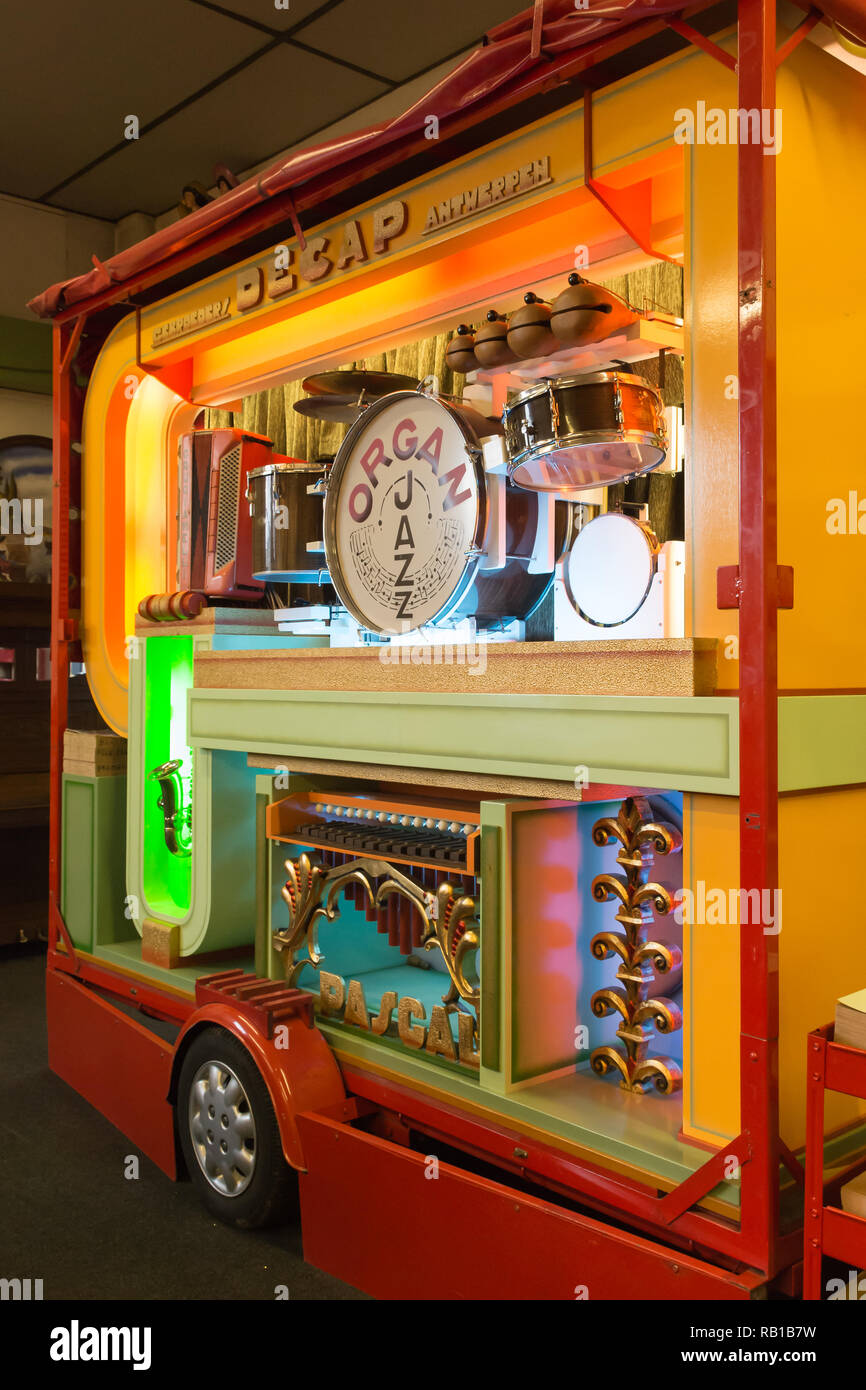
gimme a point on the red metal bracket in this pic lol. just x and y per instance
(630, 207)
(694, 36)
(72, 345)
(264, 1003)
(57, 921)
(703, 1180)
(803, 28)
(793, 1164)
(293, 215)
(537, 30)
(729, 586)
(66, 630)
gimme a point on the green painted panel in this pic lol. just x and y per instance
(685, 744)
(76, 879)
(822, 741)
(92, 889)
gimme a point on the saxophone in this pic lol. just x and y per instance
(176, 818)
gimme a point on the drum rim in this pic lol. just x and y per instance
(285, 466)
(542, 387)
(567, 441)
(654, 549)
(338, 468)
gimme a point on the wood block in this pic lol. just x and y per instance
(160, 943)
(95, 754)
(238, 620)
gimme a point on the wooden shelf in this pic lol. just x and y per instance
(650, 335)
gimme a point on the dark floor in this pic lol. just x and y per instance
(69, 1217)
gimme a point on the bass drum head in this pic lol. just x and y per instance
(610, 569)
(405, 512)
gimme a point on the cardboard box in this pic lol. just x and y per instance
(850, 1027)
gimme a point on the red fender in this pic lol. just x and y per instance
(301, 1076)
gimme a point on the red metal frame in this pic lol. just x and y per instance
(64, 629)
(357, 1194)
(758, 700)
(606, 1192)
(756, 1242)
(827, 1229)
(694, 36)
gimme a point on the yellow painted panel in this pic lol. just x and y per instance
(821, 277)
(710, 392)
(711, 974)
(820, 946)
(822, 303)
(820, 958)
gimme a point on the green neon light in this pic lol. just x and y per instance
(167, 878)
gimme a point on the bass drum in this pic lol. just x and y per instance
(496, 591)
(410, 515)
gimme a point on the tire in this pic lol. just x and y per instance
(229, 1135)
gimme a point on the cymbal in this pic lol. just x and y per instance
(348, 381)
(337, 410)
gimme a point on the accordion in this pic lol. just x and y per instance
(214, 531)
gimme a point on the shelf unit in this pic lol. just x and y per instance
(646, 338)
(828, 1230)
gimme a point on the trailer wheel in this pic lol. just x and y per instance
(229, 1135)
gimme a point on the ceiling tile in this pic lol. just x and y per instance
(394, 38)
(278, 100)
(266, 12)
(67, 81)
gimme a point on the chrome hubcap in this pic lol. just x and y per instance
(222, 1129)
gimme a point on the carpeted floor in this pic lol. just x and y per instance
(68, 1215)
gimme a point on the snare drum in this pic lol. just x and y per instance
(571, 433)
(410, 516)
(285, 499)
(610, 569)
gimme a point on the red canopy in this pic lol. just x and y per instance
(524, 56)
